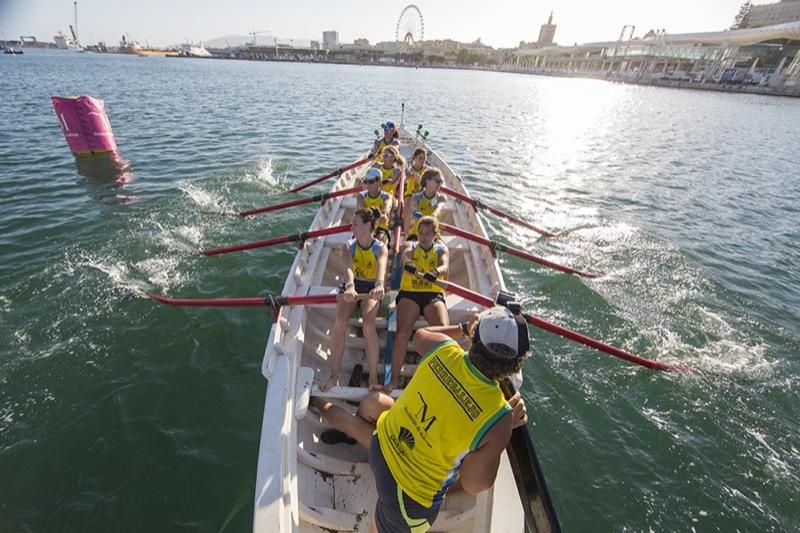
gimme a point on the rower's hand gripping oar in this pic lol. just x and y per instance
(494, 246)
(553, 328)
(337, 172)
(295, 237)
(478, 204)
(300, 201)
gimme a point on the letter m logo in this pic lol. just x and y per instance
(422, 414)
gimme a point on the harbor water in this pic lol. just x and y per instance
(120, 414)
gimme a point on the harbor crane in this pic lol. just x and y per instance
(254, 33)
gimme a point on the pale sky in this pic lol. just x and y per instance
(499, 23)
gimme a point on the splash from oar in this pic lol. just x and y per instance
(494, 245)
(554, 328)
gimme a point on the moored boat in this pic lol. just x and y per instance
(305, 485)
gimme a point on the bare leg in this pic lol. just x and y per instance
(343, 312)
(369, 310)
(407, 315)
(360, 426)
(436, 314)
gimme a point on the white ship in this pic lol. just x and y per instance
(193, 50)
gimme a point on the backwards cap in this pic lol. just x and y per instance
(389, 126)
(499, 325)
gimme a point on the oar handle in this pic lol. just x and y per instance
(494, 245)
(302, 236)
(478, 204)
(337, 172)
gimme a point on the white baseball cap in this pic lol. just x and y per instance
(373, 174)
(499, 325)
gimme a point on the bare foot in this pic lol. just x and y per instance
(332, 381)
(390, 387)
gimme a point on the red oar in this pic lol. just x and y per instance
(337, 172)
(279, 240)
(478, 204)
(494, 245)
(559, 330)
(300, 201)
(269, 301)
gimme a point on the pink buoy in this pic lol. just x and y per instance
(85, 124)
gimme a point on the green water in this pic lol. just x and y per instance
(117, 414)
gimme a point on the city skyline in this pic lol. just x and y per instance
(503, 26)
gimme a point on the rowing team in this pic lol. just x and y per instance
(367, 256)
(448, 429)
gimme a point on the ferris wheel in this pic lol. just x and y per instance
(410, 28)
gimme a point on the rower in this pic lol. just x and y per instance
(363, 281)
(392, 167)
(417, 297)
(416, 168)
(427, 202)
(449, 428)
(375, 197)
(390, 138)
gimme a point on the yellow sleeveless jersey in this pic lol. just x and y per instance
(426, 206)
(381, 145)
(365, 260)
(414, 179)
(425, 261)
(378, 202)
(386, 179)
(442, 415)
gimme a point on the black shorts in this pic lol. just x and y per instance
(422, 299)
(362, 286)
(395, 511)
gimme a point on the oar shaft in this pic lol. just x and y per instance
(268, 301)
(562, 331)
(598, 345)
(494, 245)
(478, 204)
(337, 172)
(300, 201)
(279, 240)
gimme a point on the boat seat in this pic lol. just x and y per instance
(302, 392)
(325, 463)
(450, 520)
(329, 519)
(383, 323)
(350, 394)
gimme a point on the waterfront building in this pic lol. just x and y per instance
(762, 15)
(753, 56)
(361, 43)
(547, 32)
(330, 40)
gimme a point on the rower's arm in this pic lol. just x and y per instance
(349, 276)
(383, 259)
(426, 339)
(479, 468)
(444, 262)
(359, 201)
(408, 213)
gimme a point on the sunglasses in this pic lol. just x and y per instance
(371, 180)
(388, 154)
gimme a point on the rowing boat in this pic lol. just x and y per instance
(305, 485)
